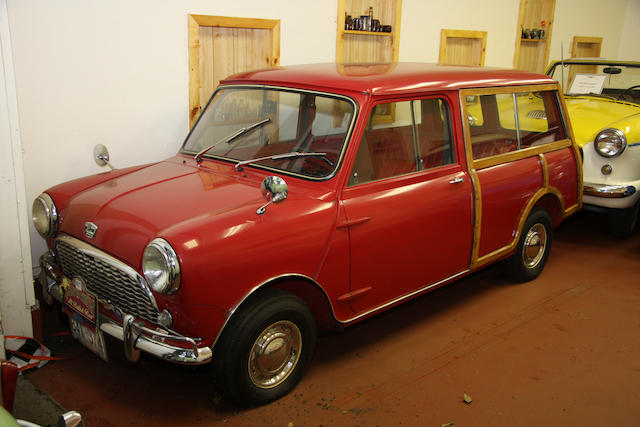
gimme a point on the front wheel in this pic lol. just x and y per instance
(265, 349)
(533, 248)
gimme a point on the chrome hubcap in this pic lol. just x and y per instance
(275, 354)
(535, 243)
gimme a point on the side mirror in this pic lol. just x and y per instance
(274, 190)
(101, 156)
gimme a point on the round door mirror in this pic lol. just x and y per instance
(101, 155)
(274, 190)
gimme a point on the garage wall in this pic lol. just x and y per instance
(629, 48)
(423, 20)
(115, 72)
(16, 291)
(594, 18)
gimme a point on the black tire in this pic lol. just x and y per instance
(272, 323)
(622, 222)
(533, 248)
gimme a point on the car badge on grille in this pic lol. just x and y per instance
(90, 229)
(78, 283)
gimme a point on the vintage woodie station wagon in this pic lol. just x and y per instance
(307, 198)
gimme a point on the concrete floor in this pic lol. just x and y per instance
(561, 350)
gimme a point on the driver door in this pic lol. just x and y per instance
(408, 204)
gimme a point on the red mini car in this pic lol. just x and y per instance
(308, 198)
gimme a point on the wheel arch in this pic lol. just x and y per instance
(304, 287)
(553, 203)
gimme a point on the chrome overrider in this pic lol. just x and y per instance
(132, 332)
(608, 191)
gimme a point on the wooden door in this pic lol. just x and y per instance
(462, 47)
(586, 47)
(220, 46)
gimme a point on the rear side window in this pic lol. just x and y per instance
(404, 137)
(505, 122)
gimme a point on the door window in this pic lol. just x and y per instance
(404, 137)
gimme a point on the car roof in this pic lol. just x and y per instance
(388, 78)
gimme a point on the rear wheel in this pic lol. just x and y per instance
(265, 349)
(622, 222)
(533, 248)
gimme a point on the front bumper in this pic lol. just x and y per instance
(160, 342)
(609, 191)
(602, 197)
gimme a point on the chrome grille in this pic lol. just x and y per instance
(105, 278)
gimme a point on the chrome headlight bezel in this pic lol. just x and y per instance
(610, 142)
(161, 267)
(44, 216)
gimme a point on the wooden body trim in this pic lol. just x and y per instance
(478, 261)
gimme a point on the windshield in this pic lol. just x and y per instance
(613, 81)
(246, 123)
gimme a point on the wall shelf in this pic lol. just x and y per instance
(368, 46)
(533, 54)
(371, 33)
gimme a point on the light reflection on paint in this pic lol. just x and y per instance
(191, 244)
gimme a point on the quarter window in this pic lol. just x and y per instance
(404, 137)
(501, 123)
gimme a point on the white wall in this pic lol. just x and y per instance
(630, 48)
(16, 289)
(116, 72)
(593, 18)
(423, 20)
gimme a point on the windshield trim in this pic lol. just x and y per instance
(597, 61)
(349, 133)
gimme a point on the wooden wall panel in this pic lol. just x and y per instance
(220, 46)
(462, 47)
(363, 46)
(586, 47)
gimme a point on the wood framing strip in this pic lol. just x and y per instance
(545, 170)
(523, 153)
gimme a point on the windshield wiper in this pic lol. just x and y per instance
(229, 139)
(284, 156)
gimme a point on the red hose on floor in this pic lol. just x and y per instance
(34, 357)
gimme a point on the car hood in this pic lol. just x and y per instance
(132, 209)
(590, 114)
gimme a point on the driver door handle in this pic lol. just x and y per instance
(456, 180)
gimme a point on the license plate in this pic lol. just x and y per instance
(81, 307)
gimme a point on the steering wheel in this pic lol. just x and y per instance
(629, 93)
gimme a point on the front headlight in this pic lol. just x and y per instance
(610, 142)
(161, 267)
(44, 215)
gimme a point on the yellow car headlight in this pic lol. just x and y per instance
(610, 142)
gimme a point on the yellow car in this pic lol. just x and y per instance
(603, 101)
